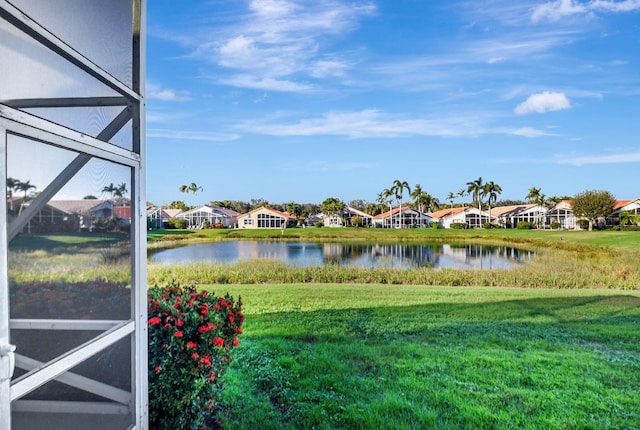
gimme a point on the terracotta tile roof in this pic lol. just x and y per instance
(510, 210)
(443, 213)
(621, 203)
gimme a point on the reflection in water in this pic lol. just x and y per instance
(299, 254)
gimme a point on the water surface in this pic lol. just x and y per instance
(299, 254)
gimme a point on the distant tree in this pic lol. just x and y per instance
(191, 188)
(374, 209)
(24, 187)
(554, 200)
(629, 218)
(451, 197)
(294, 209)
(592, 205)
(358, 204)
(398, 188)
(384, 198)
(462, 192)
(177, 204)
(534, 195)
(491, 190)
(475, 189)
(256, 203)
(332, 206)
(508, 202)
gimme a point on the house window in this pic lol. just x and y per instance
(248, 221)
(269, 221)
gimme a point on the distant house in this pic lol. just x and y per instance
(408, 217)
(158, 217)
(510, 216)
(69, 215)
(264, 217)
(562, 213)
(468, 215)
(338, 220)
(123, 213)
(215, 216)
(630, 207)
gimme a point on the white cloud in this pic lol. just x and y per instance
(191, 135)
(279, 41)
(543, 102)
(155, 92)
(529, 132)
(616, 6)
(558, 9)
(265, 83)
(373, 123)
(632, 157)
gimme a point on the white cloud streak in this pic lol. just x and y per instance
(632, 157)
(156, 92)
(373, 123)
(191, 135)
(559, 9)
(543, 102)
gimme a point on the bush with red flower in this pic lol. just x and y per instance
(191, 338)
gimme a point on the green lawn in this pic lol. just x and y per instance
(354, 356)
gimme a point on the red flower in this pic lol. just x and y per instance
(231, 317)
(205, 328)
(206, 360)
(212, 376)
(179, 323)
(191, 344)
(154, 320)
(195, 356)
(177, 334)
(158, 369)
(235, 341)
(218, 342)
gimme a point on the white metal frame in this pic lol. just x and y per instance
(17, 122)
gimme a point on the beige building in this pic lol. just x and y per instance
(264, 217)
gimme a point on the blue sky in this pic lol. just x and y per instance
(304, 100)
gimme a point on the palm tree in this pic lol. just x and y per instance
(491, 191)
(191, 188)
(384, 198)
(398, 190)
(475, 188)
(461, 193)
(12, 184)
(24, 187)
(534, 195)
(451, 197)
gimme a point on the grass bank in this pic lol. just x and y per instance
(354, 356)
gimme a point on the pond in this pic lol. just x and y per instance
(299, 254)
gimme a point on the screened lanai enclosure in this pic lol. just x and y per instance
(73, 282)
